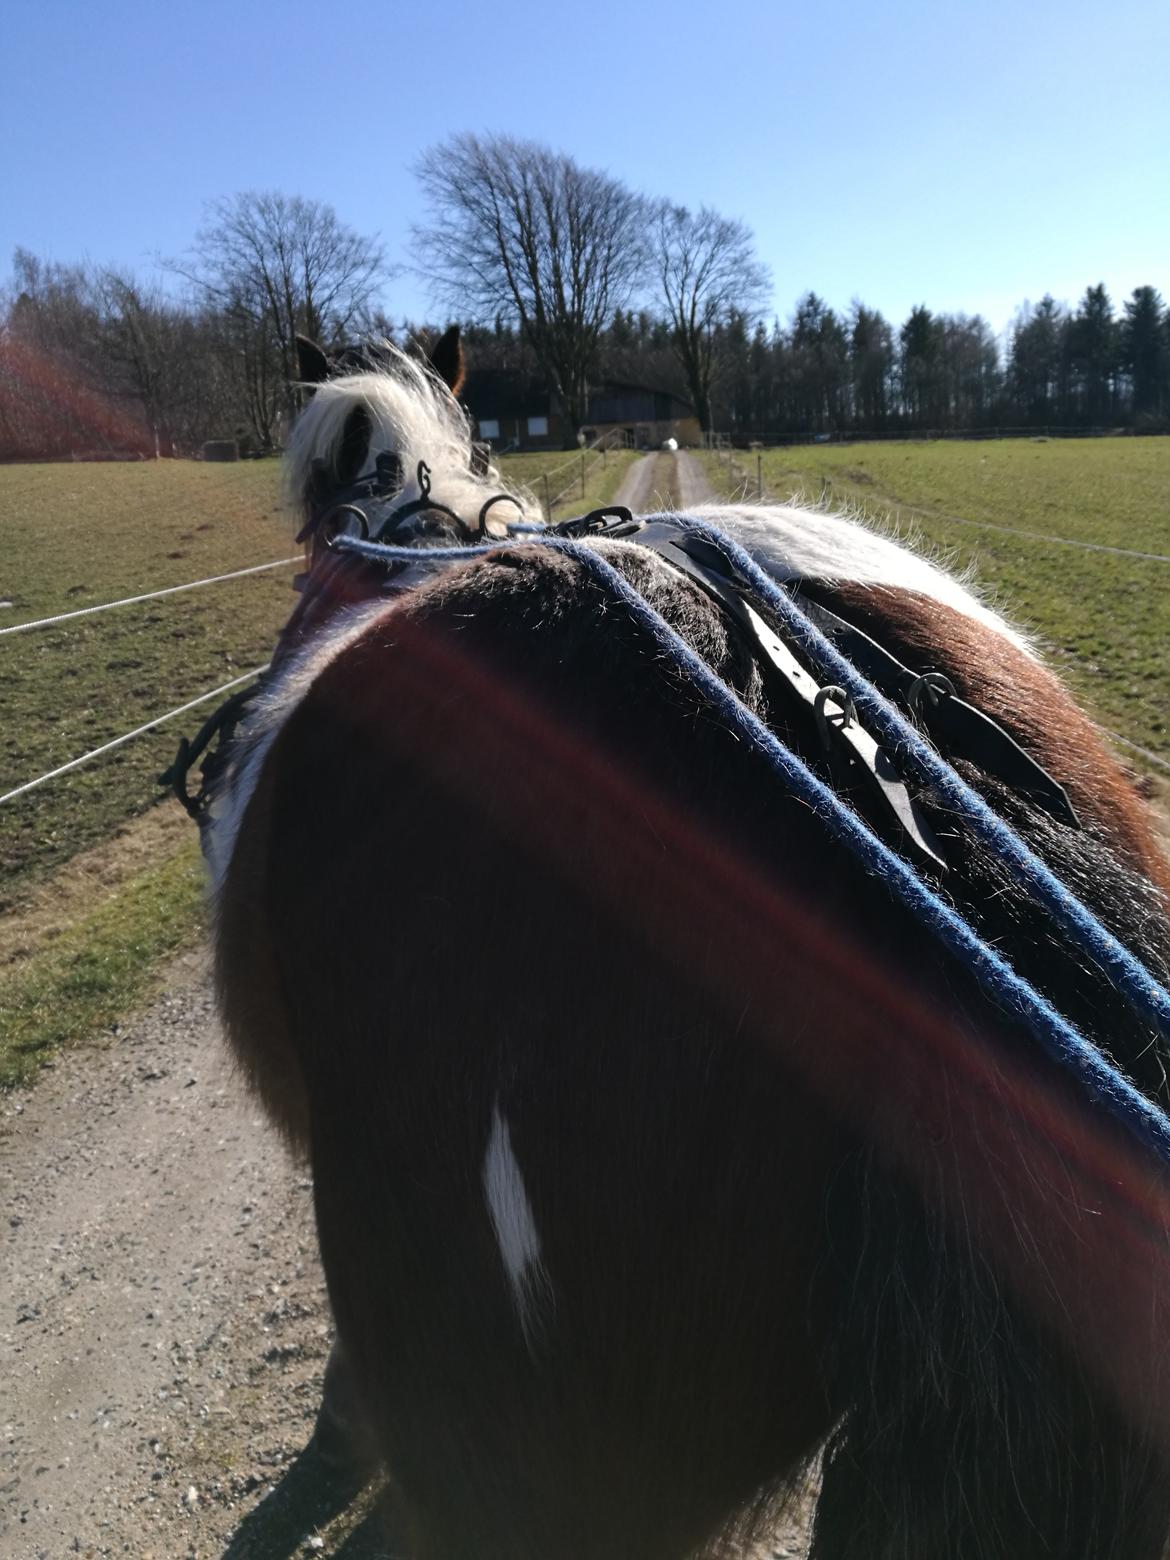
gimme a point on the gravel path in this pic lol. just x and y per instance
(691, 479)
(662, 479)
(163, 1320)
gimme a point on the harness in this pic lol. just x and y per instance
(850, 684)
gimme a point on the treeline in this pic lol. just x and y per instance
(93, 361)
(826, 372)
(1067, 368)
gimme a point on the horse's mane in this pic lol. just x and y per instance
(411, 413)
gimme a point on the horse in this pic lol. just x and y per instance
(662, 1157)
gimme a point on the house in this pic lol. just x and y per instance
(640, 416)
(515, 411)
(512, 410)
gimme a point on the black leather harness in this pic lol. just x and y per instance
(854, 758)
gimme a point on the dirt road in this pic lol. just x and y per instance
(163, 1320)
(662, 480)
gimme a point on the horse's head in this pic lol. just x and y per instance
(374, 401)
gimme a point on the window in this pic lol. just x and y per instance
(489, 427)
(538, 427)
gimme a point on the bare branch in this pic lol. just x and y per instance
(706, 267)
(519, 231)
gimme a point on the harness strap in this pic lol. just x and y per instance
(1103, 1082)
(959, 728)
(1135, 983)
(859, 758)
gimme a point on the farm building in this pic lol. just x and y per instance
(515, 411)
(640, 416)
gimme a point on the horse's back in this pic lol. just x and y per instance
(571, 1211)
(627, 1094)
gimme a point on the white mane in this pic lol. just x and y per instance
(414, 416)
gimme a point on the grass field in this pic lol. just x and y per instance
(603, 477)
(82, 943)
(1103, 618)
(77, 535)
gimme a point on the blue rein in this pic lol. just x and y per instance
(1100, 1079)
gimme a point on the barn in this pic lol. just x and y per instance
(516, 411)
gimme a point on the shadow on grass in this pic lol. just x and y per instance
(311, 1495)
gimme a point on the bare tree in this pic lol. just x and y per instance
(706, 267)
(521, 231)
(279, 265)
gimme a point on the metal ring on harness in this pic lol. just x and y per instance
(327, 531)
(932, 684)
(839, 696)
(497, 498)
(613, 517)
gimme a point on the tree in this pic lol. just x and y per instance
(968, 370)
(871, 360)
(1035, 375)
(1094, 351)
(819, 357)
(518, 229)
(277, 265)
(920, 339)
(1145, 351)
(706, 266)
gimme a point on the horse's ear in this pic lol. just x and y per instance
(447, 359)
(312, 364)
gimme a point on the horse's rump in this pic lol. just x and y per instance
(642, 1123)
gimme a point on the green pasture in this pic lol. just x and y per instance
(1006, 509)
(602, 473)
(73, 536)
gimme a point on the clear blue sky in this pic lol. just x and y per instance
(966, 156)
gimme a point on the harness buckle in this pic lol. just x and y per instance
(826, 723)
(611, 521)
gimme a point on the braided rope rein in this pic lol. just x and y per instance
(1101, 1080)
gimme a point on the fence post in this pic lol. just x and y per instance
(582, 473)
(760, 474)
(547, 499)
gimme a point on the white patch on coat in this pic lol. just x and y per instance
(791, 543)
(514, 1226)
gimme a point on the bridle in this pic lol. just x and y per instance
(332, 509)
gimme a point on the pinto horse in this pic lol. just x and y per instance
(659, 1153)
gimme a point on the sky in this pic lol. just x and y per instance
(966, 156)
